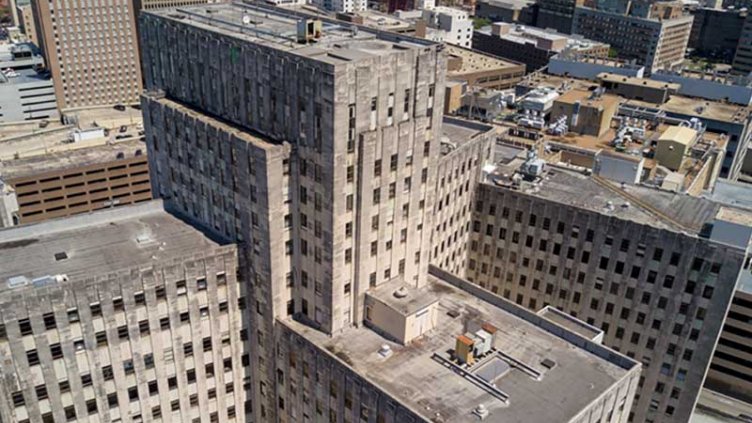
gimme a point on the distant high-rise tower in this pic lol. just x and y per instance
(557, 14)
(91, 49)
(26, 23)
(655, 35)
(15, 19)
(743, 58)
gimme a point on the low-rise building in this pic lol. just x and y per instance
(480, 70)
(346, 6)
(654, 91)
(26, 95)
(52, 170)
(538, 101)
(734, 121)
(379, 20)
(112, 314)
(484, 105)
(589, 67)
(722, 127)
(532, 46)
(590, 131)
(657, 97)
(446, 24)
(559, 83)
(19, 56)
(26, 92)
(735, 89)
(586, 113)
(75, 181)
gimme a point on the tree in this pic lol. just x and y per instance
(479, 23)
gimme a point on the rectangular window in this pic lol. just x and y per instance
(24, 325)
(107, 373)
(41, 391)
(18, 399)
(86, 379)
(32, 357)
(49, 321)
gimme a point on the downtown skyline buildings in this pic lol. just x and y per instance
(332, 180)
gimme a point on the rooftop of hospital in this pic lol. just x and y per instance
(301, 33)
(644, 205)
(535, 364)
(92, 244)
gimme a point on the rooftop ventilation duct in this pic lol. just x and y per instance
(401, 292)
(481, 411)
(143, 238)
(16, 281)
(20, 281)
(385, 350)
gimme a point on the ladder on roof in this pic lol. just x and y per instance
(635, 200)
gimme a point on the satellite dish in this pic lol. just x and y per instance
(246, 19)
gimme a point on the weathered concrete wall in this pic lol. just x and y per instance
(330, 387)
(660, 296)
(456, 182)
(138, 342)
